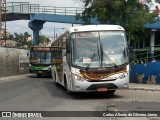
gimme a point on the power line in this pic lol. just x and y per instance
(19, 25)
(15, 29)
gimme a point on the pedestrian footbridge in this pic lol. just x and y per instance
(38, 15)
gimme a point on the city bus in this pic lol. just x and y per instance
(93, 58)
(41, 59)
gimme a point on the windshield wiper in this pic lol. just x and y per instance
(93, 56)
(115, 65)
(91, 60)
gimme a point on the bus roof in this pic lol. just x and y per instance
(85, 28)
(94, 28)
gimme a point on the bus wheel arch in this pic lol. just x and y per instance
(66, 86)
(54, 76)
(55, 79)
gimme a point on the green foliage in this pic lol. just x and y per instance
(44, 39)
(22, 39)
(128, 13)
(10, 37)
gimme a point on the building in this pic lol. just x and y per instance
(2, 40)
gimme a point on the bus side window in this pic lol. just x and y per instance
(63, 46)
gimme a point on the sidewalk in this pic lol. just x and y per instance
(150, 87)
(14, 77)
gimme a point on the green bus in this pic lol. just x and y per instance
(42, 58)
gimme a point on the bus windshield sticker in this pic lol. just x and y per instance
(84, 35)
(86, 60)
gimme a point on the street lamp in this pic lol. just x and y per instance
(55, 34)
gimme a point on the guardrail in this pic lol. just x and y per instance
(26, 8)
(145, 55)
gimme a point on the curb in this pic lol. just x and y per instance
(148, 89)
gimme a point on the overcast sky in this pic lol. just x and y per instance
(21, 26)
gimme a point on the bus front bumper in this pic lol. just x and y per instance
(86, 86)
(42, 72)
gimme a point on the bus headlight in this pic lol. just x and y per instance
(123, 75)
(77, 77)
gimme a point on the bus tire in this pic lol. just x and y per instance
(54, 79)
(66, 87)
(38, 75)
(56, 83)
(111, 92)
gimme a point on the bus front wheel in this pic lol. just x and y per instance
(66, 88)
(57, 84)
(111, 92)
(38, 75)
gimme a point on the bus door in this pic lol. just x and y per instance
(58, 62)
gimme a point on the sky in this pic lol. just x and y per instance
(21, 26)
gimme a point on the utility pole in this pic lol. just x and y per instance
(3, 22)
(54, 34)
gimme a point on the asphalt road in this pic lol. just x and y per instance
(29, 93)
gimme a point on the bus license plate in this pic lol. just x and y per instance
(102, 89)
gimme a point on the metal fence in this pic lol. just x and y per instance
(25, 7)
(146, 55)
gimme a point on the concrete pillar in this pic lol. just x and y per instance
(36, 26)
(152, 42)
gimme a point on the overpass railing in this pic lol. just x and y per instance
(26, 8)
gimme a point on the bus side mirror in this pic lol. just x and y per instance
(68, 47)
(128, 39)
(28, 54)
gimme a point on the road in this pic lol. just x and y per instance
(29, 93)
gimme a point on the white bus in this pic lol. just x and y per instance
(93, 58)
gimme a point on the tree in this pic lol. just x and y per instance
(22, 39)
(11, 37)
(44, 40)
(128, 13)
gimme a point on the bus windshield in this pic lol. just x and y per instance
(40, 57)
(99, 49)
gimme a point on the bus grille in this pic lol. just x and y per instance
(100, 74)
(107, 85)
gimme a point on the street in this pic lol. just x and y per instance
(29, 93)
